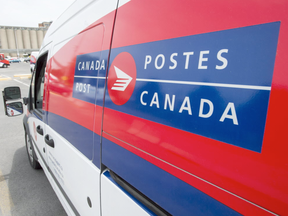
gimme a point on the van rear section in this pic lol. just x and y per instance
(163, 108)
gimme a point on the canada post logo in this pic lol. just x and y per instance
(122, 78)
(89, 75)
(216, 84)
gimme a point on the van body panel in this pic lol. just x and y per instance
(180, 199)
(70, 170)
(207, 160)
(187, 108)
(71, 114)
(112, 193)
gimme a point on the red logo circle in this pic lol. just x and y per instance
(122, 78)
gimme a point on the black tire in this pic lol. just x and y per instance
(31, 153)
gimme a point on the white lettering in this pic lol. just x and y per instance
(233, 115)
(83, 66)
(87, 65)
(211, 108)
(187, 54)
(169, 102)
(155, 100)
(186, 106)
(160, 59)
(148, 60)
(173, 61)
(92, 65)
(141, 98)
(97, 65)
(156, 61)
(201, 59)
(222, 59)
(82, 87)
(102, 65)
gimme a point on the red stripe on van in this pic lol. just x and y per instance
(237, 170)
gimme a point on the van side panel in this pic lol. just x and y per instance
(181, 104)
(62, 99)
(208, 83)
(65, 98)
(70, 105)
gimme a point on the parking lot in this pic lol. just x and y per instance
(23, 191)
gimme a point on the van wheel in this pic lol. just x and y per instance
(31, 154)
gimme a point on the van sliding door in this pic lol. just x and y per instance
(118, 195)
(78, 67)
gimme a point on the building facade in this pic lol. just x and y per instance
(16, 41)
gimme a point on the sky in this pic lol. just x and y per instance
(28, 13)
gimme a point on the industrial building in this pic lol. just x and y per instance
(16, 41)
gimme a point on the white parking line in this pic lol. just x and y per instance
(21, 82)
(14, 80)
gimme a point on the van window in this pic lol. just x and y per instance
(39, 82)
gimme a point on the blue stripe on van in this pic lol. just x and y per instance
(79, 136)
(172, 194)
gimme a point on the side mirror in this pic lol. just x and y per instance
(12, 93)
(14, 109)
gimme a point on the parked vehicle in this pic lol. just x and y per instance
(5, 62)
(14, 60)
(163, 108)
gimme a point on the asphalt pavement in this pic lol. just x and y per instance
(23, 190)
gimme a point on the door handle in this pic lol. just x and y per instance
(39, 130)
(49, 141)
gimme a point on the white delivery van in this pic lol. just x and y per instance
(163, 108)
